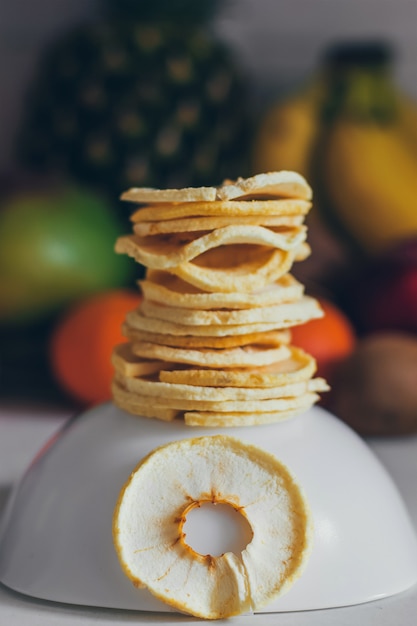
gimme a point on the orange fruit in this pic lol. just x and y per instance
(328, 339)
(82, 342)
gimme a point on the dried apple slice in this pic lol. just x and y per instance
(138, 405)
(158, 252)
(136, 320)
(299, 367)
(187, 194)
(255, 273)
(250, 356)
(167, 289)
(194, 224)
(126, 362)
(234, 208)
(235, 419)
(281, 184)
(284, 314)
(186, 341)
(172, 480)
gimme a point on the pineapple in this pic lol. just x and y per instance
(138, 100)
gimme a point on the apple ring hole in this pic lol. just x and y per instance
(216, 528)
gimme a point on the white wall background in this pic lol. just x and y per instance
(278, 42)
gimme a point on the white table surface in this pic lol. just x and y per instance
(24, 431)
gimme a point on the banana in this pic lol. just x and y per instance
(408, 119)
(287, 134)
(370, 177)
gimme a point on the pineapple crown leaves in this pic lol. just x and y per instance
(177, 11)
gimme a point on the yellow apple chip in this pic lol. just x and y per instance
(300, 366)
(160, 252)
(164, 391)
(284, 315)
(194, 224)
(258, 268)
(136, 320)
(138, 405)
(126, 362)
(245, 356)
(152, 508)
(223, 209)
(165, 288)
(206, 341)
(281, 184)
(236, 419)
(187, 194)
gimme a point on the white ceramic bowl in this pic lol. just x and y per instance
(56, 540)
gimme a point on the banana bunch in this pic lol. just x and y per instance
(408, 120)
(370, 180)
(288, 132)
(353, 135)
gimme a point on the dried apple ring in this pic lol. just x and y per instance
(165, 288)
(158, 252)
(179, 476)
(284, 314)
(187, 194)
(281, 184)
(234, 208)
(137, 321)
(195, 224)
(205, 341)
(257, 273)
(249, 356)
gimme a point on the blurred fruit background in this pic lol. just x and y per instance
(107, 94)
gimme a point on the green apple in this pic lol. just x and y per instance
(56, 247)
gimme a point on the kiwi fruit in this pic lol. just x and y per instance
(374, 390)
